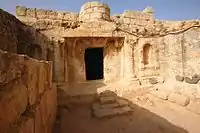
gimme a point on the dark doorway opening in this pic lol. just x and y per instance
(94, 63)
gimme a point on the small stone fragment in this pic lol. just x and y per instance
(153, 81)
(179, 78)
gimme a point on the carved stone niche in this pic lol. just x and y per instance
(148, 56)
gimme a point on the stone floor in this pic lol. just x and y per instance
(137, 111)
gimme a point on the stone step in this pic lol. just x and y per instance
(107, 100)
(108, 112)
(97, 106)
(122, 102)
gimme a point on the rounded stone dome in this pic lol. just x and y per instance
(94, 11)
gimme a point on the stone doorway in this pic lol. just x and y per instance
(94, 63)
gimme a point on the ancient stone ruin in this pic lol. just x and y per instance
(51, 61)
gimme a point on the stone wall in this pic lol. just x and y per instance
(137, 18)
(138, 28)
(44, 14)
(17, 37)
(28, 99)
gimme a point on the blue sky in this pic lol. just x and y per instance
(164, 9)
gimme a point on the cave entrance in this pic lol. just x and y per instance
(94, 63)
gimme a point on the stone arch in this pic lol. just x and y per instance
(34, 51)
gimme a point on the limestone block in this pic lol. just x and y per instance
(28, 126)
(41, 76)
(179, 99)
(96, 15)
(41, 13)
(11, 67)
(12, 104)
(51, 106)
(107, 100)
(89, 10)
(49, 68)
(20, 11)
(97, 106)
(40, 24)
(160, 94)
(39, 127)
(31, 12)
(52, 14)
(100, 9)
(122, 102)
(32, 80)
(60, 15)
(127, 20)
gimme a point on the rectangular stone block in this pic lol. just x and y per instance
(11, 67)
(179, 99)
(96, 15)
(41, 13)
(32, 80)
(41, 78)
(52, 14)
(31, 12)
(48, 108)
(12, 104)
(20, 11)
(100, 9)
(107, 100)
(127, 20)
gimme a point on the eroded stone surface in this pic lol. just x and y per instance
(161, 94)
(101, 113)
(107, 100)
(179, 99)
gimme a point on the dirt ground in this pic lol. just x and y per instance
(149, 115)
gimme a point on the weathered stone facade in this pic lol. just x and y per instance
(28, 97)
(148, 47)
(137, 49)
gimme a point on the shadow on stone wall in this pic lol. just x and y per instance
(17, 37)
(108, 113)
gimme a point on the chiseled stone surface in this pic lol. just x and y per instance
(27, 101)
